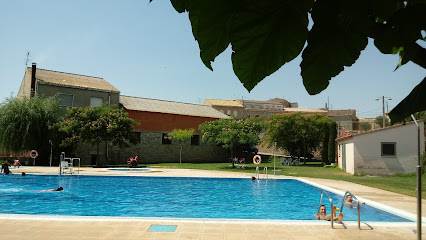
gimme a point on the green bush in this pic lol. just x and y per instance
(423, 162)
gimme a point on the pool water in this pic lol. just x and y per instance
(177, 197)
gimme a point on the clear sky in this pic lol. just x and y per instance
(148, 50)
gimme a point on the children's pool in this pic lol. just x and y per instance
(172, 197)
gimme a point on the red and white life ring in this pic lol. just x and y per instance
(257, 159)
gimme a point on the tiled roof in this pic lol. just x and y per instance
(377, 130)
(74, 80)
(341, 112)
(162, 106)
(220, 102)
(311, 110)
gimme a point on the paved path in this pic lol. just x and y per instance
(45, 227)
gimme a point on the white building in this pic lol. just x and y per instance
(384, 151)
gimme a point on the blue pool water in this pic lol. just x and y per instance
(175, 197)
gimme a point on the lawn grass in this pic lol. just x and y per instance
(401, 183)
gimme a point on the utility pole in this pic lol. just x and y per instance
(384, 113)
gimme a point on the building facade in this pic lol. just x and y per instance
(384, 151)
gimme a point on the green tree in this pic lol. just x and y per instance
(267, 34)
(379, 121)
(94, 125)
(332, 141)
(24, 123)
(365, 126)
(297, 133)
(232, 133)
(180, 136)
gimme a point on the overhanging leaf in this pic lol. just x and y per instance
(414, 102)
(213, 28)
(265, 35)
(338, 36)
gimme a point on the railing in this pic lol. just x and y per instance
(331, 206)
(356, 199)
(72, 160)
(257, 172)
(265, 172)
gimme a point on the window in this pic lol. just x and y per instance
(388, 149)
(228, 112)
(96, 101)
(195, 140)
(235, 113)
(165, 140)
(66, 100)
(221, 110)
(137, 136)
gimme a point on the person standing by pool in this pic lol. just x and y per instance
(322, 215)
(17, 163)
(5, 168)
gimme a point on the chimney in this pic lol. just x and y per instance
(33, 79)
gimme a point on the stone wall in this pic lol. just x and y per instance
(151, 150)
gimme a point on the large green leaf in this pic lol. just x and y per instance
(414, 102)
(338, 36)
(214, 27)
(265, 35)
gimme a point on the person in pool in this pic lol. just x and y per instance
(253, 178)
(350, 201)
(5, 168)
(53, 190)
(322, 215)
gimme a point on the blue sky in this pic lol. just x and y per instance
(148, 50)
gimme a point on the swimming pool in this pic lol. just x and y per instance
(171, 197)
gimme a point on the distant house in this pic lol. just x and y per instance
(74, 90)
(229, 107)
(345, 119)
(157, 118)
(384, 151)
(256, 108)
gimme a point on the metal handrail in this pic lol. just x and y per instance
(331, 206)
(78, 171)
(356, 199)
(265, 172)
(257, 172)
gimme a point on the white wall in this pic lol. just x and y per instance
(367, 157)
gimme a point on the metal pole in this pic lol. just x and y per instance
(50, 152)
(419, 184)
(384, 112)
(274, 156)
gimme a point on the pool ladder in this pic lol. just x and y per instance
(359, 210)
(265, 172)
(341, 208)
(331, 206)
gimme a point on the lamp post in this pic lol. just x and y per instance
(384, 113)
(51, 144)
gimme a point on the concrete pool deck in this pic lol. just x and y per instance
(55, 227)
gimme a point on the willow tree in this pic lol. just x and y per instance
(24, 123)
(265, 35)
(93, 125)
